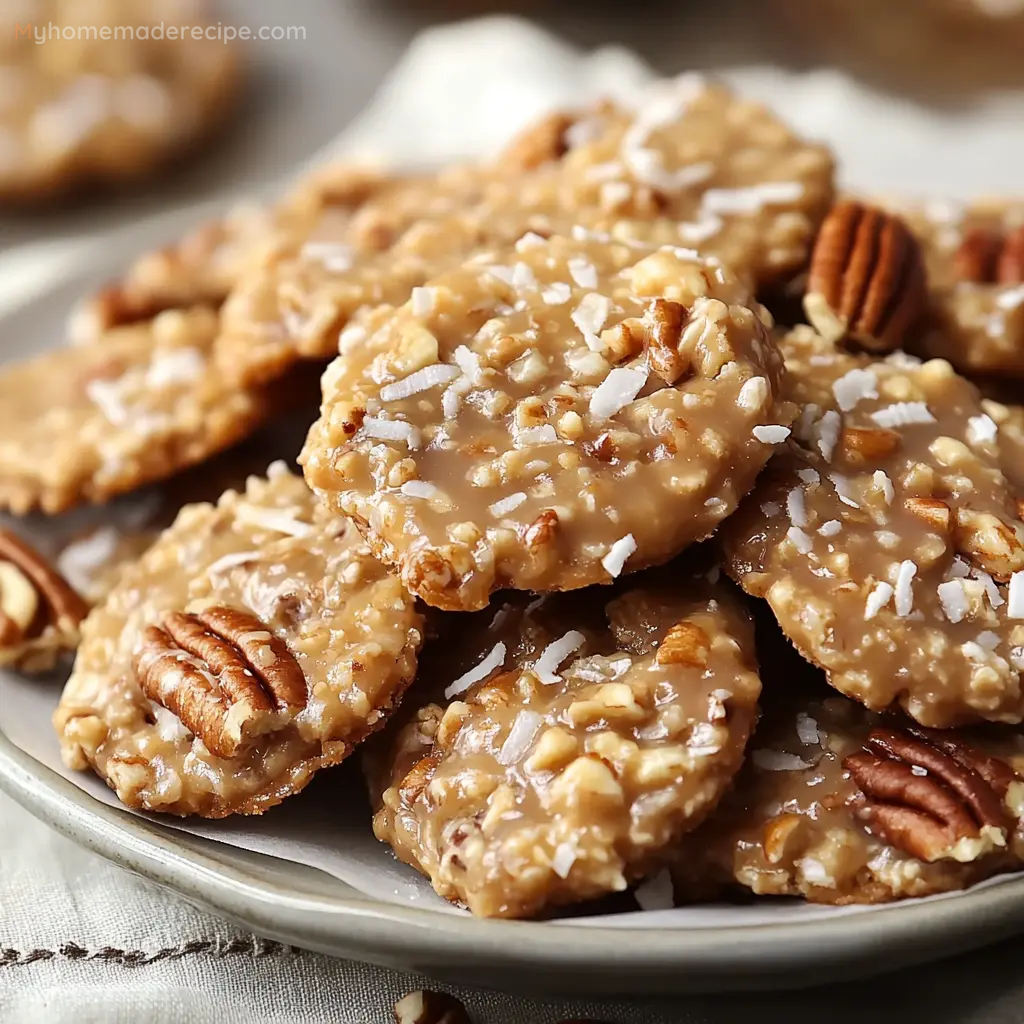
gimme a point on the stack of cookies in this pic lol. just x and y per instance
(605, 569)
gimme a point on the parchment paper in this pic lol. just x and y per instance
(462, 91)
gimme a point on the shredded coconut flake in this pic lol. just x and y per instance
(392, 430)
(879, 597)
(336, 257)
(831, 528)
(177, 367)
(422, 301)
(778, 761)
(854, 387)
(558, 293)
(563, 860)
(536, 435)
(618, 555)
(230, 561)
(884, 484)
(509, 504)
(988, 639)
(981, 429)
(991, 590)
(828, 431)
(1015, 597)
(272, 519)
(583, 272)
(753, 394)
(469, 363)
(590, 317)
(953, 599)
(771, 434)
(842, 486)
(902, 414)
(796, 506)
(725, 201)
(771, 508)
(616, 391)
(419, 489)
(904, 591)
(422, 380)
(520, 737)
(802, 541)
(806, 729)
(809, 476)
(493, 660)
(546, 666)
(531, 240)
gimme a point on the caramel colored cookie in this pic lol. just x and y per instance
(78, 109)
(587, 733)
(692, 165)
(203, 267)
(887, 539)
(253, 644)
(89, 422)
(840, 805)
(548, 417)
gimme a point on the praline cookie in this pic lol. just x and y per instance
(691, 165)
(840, 805)
(550, 416)
(887, 539)
(78, 109)
(89, 422)
(255, 643)
(587, 733)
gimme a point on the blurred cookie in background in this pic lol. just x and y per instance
(96, 92)
(940, 46)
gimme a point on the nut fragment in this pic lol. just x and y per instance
(778, 833)
(541, 531)
(238, 678)
(934, 512)
(685, 644)
(666, 328)
(866, 279)
(425, 1007)
(986, 257)
(924, 799)
(989, 543)
(26, 579)
(867, 444)
(539, 143)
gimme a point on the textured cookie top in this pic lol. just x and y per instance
(840, 805)
(254, 643)
(84, 108)
(588, 731)
(975, 260)
(691, 165)
(92, 421)
(887, 539)
(548, 417)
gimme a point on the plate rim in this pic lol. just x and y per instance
(706, 959)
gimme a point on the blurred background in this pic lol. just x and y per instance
(866, 74)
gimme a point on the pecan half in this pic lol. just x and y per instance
(988, 257)
(222, 672)
(425, 1007)
(32, 594)
(924, 795)
(684, 644)
(867, 279)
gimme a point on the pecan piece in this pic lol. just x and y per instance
(987, 257)
(937, 514)
(538, 144)
(867, 279)
(541, 532)
(925, 798)
(32, 594)
(424, 1007)
(222, 672)
(684, 644)
(989, 543)
(868, 444)
(665, 319)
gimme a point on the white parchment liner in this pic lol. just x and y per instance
(462, 91)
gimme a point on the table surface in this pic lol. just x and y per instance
(350, 47)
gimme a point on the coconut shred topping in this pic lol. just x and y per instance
(893, 552)
(496, 438)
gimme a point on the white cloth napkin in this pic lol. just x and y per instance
(82, 941)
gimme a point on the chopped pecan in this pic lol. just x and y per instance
(541, 532)
(665, 319)
(868, 444)
(922, 797)
(32, 594)
(778, 834)
(866, 279)
(988, 257)
(989, 543)
(936, 513)
(222, 672)
(424, 1007)
(684, 644)
(541, 142)
(418, 776)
